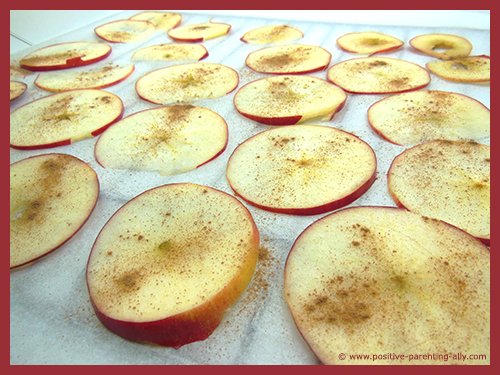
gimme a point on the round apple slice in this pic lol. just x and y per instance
(171, 52)
(420, 116)
(96, 78)
(125, 31)
(442, 46)
(368, 42)
(199, 32)
(465, 69)
(65, 55)
(186, 83)
(51, 197)
(378, 75)
(63, 118)
(445, 180)
(17, 89)
(272, 34)
(168, 140)
(161, 20)
(366, 283)
(168, 264)
(288, 100)
(302, 170)
(296, 58)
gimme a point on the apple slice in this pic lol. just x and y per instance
(96, 78)
(302, 170)
(170, 262)
(186, 83)
(199, 32)
(296, 58)
(446, 180)
(420, 116)
(17, 89)
(161, 20)
(17, 72)
(465, 69)
(65, 55)
(368, 42)
(63, 118)
(442, 46)
(169, 140)
(369, 285)
(272, 34)
(125, 31)
(171, 52)
(288, 100)
(51, 197)
(378, 75)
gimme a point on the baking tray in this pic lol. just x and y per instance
(51, 319)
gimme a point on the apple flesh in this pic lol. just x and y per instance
(420, 116)
(125, 31)
(96, 78)
(291, 59)
(445, 180)
(169, 140)
(51, 197)
(17, 89)
(63, 118)
(17, 72)
(199, 32)
(272, 34)
(302, 170)
(469, 69)
(170, 262)
(379, 280)
(378, 75)
(442, 46)
(171, 52)
(65, 55)
(161, 20)
(368, 43)
(289, 100)
(186, 83)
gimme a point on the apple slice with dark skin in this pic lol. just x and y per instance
(378, 75)
(17, 89)
(471, 69)
(63, 118)
(169, 140)
(302, 170)
(272, 34)
(51, 197)
(367, 282)
(161, 20)
(289, 100)
(199, 32)
(186, 83)
(290, 59)
(96, 78)
(170, 262)
(125, 31)
(420, 116)
(171, 52)
(65, 55)
(445, 180)
(368, 42)
(442, 46)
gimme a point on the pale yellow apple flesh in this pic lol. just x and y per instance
(171, 52)
(466, 69)
(442, 46)
(17, 89)
(125, 31)
(368, 43)
(199, 32)
(161, 20)
(272, 34)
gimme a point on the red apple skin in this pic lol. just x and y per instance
(190, 326)
(76, 231)
(204, 56)
(308, 211)
(70, 63)
(199, 40)
(111, 41)
(318, 69)
(97, 87)
(66, 142)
